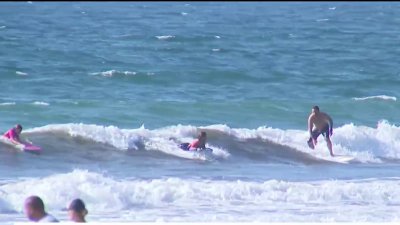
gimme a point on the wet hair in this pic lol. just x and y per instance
(18, 126)
(77, 205)
(203, 134)
(316, 108)
(35, 202)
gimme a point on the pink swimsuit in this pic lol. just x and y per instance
(11, 134)
(194, 144)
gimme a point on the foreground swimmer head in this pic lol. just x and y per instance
(34, 210)
(77, 211)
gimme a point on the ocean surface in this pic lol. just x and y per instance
(109, 89)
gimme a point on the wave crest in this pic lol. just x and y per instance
(111, 73)
(379, 97)
(366, 144)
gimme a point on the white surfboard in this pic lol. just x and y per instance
(340, 158)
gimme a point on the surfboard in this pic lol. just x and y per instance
(31, 147)
(185, 147)
(202, 154)
(340, 158)
(26, 147)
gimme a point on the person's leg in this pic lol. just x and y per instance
(325, 133)
(329, 144)
(310, 143)
(315, 133)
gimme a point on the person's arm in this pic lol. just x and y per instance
(310, 124)
(15, 138)
(330, 125)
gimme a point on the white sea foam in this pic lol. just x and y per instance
(217, 37)
(216, 49)
(183, 13)
(21, 73)
(165, 37)
(332, 8)
(322, 20)
(41, 103)
(380, 97)
(7, 103)
(2, 27)
(111, 73)
(178, 199)
(366, 144)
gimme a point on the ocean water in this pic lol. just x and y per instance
(108, 90)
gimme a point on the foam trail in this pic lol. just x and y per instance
(165, 37)
(21, 73)
(382, 97)
(41, 103)
(111, 73)
(7, 103)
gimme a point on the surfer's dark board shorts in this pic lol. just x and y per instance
(325, 132)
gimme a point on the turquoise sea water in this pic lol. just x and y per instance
(104, 86)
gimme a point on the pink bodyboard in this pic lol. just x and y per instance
(32, 148)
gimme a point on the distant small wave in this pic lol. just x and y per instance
(217, 37)
(183, 13)
(8, 103)
(165, 37)
(2, 27)
(21, 73)
(382, 97)
(332, 8)
(322, 20)
(41, 103)
(111, 73)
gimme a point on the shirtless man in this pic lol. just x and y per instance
(322, 124)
